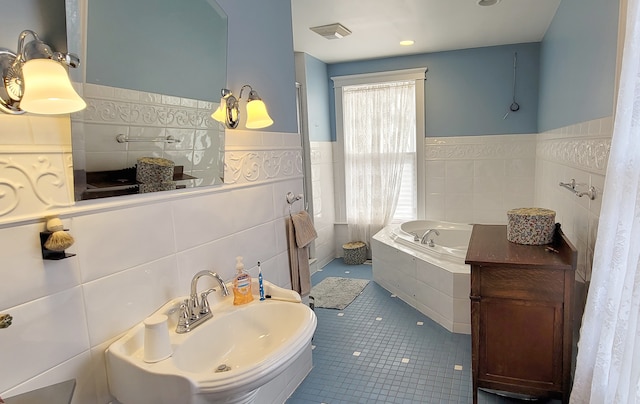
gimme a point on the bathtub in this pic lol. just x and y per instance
(433, 279)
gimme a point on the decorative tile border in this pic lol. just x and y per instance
(480, 147)
(579, 145)
(143, 115)
(111, 105)
(586, 154)
(33, 182)
(121, 112)
(254, 166)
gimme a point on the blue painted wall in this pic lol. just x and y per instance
(46, 18)
(469, 91)
(577, 63)
(260, 53)
(177, 49)
(316, 77)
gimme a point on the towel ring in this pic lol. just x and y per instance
(291, 198)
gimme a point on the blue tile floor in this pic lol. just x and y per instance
(381, 350)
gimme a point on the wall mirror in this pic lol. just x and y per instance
(151, 73)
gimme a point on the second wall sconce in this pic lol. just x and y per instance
(35, 79)
(229, 110)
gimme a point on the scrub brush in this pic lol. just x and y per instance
(59, 240)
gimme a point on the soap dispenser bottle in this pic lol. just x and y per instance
(241, 285)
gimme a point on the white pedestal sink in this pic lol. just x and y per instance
(225, 360)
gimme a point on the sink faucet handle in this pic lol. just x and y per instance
(185, 316)
(204, 303)
(194, 307)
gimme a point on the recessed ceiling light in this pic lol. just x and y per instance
(408, 42)
(488, 2)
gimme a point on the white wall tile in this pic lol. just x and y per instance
(116, 240)
(98, 161)
(489, 168)
(103, 137)
(435, 168)
(74, 368)
(579, 152)
(45, 332)
(212, 222)
(116, 303)
(481, 173)
(146, 132)
(25, 275)
(458, 169)
(520, 168)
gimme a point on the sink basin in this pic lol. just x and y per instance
(224, 360)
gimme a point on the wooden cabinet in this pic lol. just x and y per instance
(521, 314)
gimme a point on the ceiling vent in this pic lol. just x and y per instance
(331, 31)
(488, 2)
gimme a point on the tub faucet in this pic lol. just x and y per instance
(194, 311)
(425, 236)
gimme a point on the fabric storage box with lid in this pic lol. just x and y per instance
(152, 170)
(531, 226)
(355, 253)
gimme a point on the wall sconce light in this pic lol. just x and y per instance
(229, 110)
(35, 80)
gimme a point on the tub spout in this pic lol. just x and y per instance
(425, 237)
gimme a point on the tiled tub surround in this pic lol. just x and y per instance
(438, 288)
(112, 111)
(133, 254)
(477, 179)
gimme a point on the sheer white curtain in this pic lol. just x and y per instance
(379, 126)
(608, 364)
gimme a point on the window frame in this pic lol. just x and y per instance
(419, 76)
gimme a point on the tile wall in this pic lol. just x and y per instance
(579, 152)
(477, 179)
(323, 200)
(35, 165)
(196, 140)
(133, 254)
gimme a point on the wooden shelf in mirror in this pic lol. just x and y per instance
(102, 184)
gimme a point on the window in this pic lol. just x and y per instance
(380, 125)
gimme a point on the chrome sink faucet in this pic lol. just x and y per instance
(425, 237)
(194, 311)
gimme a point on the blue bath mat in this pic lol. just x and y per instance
(337, 293)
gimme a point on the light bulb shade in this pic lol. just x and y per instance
(257, 115)
(47, 89)
(220, 113)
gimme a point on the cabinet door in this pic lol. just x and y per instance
(521, 343)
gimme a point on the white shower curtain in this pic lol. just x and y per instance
(379, 122)
(608, 364)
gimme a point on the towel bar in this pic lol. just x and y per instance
(571, 186)
(125, 139)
